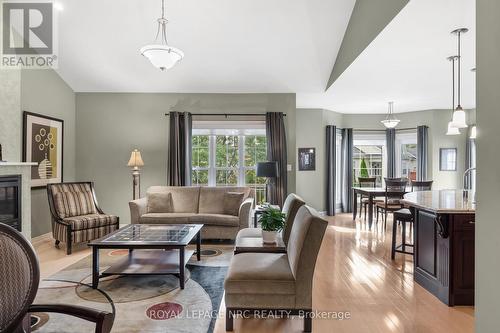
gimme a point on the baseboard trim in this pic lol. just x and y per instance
(41, 238)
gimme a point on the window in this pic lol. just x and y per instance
(406, 154)
(369, 156)
(227, 153)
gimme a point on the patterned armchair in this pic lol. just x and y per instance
(19, 279)
(76, 216)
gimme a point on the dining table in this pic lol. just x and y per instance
(371, 193)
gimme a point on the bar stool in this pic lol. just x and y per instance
(404, 216)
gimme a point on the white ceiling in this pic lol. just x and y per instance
(407, 63)
(230, 46)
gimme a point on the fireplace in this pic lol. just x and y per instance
(10, 201)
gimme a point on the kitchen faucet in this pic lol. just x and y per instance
(465, 192)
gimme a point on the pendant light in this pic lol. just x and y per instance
(452, 130)
(161, 55)
(390, 121)
(473, 130)
(459, 113)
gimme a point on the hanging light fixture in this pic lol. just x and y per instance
(162, 55)
(452, 130)
(459, 113)
(390, 121)
(473, 132)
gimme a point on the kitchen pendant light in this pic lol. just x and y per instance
(390, 121)
(473, 132)
(161, 55)
(452, 130)
(459, 120)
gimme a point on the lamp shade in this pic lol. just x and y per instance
(135, 159)
(473, 132)
(452, 130)
(267, 169)
(458, 120)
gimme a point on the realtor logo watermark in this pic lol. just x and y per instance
(28, 35)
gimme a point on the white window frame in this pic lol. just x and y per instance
(230, 128)
(373, 139)
(403, 138)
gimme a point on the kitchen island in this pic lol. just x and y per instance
(444, 244)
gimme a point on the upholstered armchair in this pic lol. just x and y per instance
(290, 208)
(76, 216)
(277, 281)
(19, 278)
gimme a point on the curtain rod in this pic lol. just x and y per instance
(229, 114)
(381, 130)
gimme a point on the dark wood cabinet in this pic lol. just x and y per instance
(444, 255)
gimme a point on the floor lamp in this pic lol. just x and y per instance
(268, 170)
(135, 162)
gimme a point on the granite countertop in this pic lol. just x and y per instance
(443, 201)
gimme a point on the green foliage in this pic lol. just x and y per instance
(363, 172)
(227, 159)
(272, 219)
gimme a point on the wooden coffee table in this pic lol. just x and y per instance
(154, 249)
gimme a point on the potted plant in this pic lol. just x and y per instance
(272, 221)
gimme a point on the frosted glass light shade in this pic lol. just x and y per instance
(390, 123)
(162, 56)
(452, 130)
(473, 132)
(458, 120)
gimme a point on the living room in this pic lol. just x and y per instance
(311, 164)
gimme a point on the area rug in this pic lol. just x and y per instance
(152, 303)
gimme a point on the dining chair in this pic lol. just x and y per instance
(394, 191)
(403, 216)
(366, 182)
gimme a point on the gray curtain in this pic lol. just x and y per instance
(468, 160)
(179, 149)
(331, 166)
(347, 169)
(422, 152)
(390, 135)
(276, 151)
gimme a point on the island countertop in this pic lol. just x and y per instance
(441, 202)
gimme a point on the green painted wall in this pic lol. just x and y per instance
(487, 298)
(110, 125)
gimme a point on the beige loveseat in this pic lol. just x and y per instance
(222, 210)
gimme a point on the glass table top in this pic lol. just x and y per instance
(153, 234)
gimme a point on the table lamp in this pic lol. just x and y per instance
(268, 170)
(135, 162)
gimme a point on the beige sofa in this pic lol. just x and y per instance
(222, 210)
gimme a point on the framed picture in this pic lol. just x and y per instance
(43, 139)
(307, 159)
(448, 159)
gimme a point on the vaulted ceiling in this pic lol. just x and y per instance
(261, 46)
(230, 46)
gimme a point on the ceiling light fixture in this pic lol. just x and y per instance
(390, 121)
(452, 130)
(459, 113)
(160, 54)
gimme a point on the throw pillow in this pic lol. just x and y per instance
(232, 202)
(69, 204)
(159, 202)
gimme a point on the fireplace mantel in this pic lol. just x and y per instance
(24, 170)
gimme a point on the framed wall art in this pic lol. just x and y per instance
(307, 159)
(43, 139)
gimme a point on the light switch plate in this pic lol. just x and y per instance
(288, 167)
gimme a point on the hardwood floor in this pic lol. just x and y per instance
(354, 274)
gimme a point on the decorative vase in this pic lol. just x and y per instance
(269, 237)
